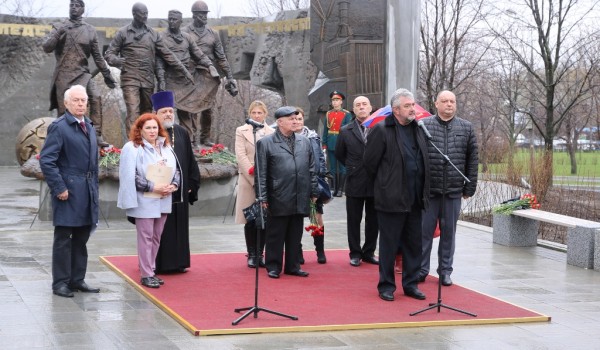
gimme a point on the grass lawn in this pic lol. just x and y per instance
(588, 164)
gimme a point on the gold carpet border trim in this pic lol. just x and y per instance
(154, 300)
(358, 326)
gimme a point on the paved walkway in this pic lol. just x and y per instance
(120, 318)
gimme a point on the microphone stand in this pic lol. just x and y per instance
(255, 309)
(443, 223)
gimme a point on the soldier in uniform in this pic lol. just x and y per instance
(133, 50)
(73, 41)
(333, 122)
(186, 50)
(210, 43)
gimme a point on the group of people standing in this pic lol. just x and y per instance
(391, 171)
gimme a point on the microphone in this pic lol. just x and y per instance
(254, 124)
(422, 126)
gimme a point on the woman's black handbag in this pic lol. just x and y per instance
(324, 190)
(252, 214)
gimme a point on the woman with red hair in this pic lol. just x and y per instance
(147, 176)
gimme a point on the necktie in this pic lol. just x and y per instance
(365, 132)
(82, 124)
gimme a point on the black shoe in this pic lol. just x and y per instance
(387, 296)
(355, 261)
(446, 281)
(64, 292)
(159, 280)
(83, 287)
(414, 293)
(371, 260)
(182, 270)
(321, 258)
(421, 278)
(150, 282)
(251, 261)
(261, 261)
(273, 274)
(299, 273)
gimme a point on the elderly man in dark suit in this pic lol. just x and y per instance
(69, 161)
(349, 150)
(285, 183)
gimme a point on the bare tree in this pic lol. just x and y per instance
(453, 43)
(553, 32)
(261, 8)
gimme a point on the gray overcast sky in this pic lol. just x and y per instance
(122, 8)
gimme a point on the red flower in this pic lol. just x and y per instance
(251, 170)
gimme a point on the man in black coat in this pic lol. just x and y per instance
(174, 251)
(285, 183)
(396, 157)
(456, 138)
(349, 150)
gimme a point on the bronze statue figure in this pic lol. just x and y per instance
(133, 50)
(73, 41)
(210, 43)
(186, 95)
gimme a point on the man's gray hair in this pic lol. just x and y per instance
(400, 93)
(73, 88)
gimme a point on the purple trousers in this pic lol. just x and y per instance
(148, 241)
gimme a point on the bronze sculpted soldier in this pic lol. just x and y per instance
(133, 50)
(73, 41)
(186, 95)
(209, 42)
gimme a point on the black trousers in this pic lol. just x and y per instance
(399, 229)
(354, 214)
(283, 230)
(69, 255)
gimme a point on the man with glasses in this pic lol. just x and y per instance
(285, 183)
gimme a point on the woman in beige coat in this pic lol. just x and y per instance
(244, 153)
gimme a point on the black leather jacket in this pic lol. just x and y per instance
(457, 139)
(287, 179)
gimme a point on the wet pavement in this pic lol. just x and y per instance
(31, 317)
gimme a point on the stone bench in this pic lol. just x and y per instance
(520, 229)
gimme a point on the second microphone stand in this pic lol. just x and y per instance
(255, 309)
(443, 224)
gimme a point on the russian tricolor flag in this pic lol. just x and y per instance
(386, 111)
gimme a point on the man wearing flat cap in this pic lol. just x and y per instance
(73, 41)
(285, 183)
(333, 122)
(174, 251)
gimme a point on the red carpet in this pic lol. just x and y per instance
(335, 296)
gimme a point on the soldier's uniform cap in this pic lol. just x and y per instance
(285, 111)
(336, 94)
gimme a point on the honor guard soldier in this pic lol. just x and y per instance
(333, 122)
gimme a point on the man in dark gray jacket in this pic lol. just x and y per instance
(456, 138)
(285, 183)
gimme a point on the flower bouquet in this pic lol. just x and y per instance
(526, 201)
(109, 156)
(314, 228)
(216, 154)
